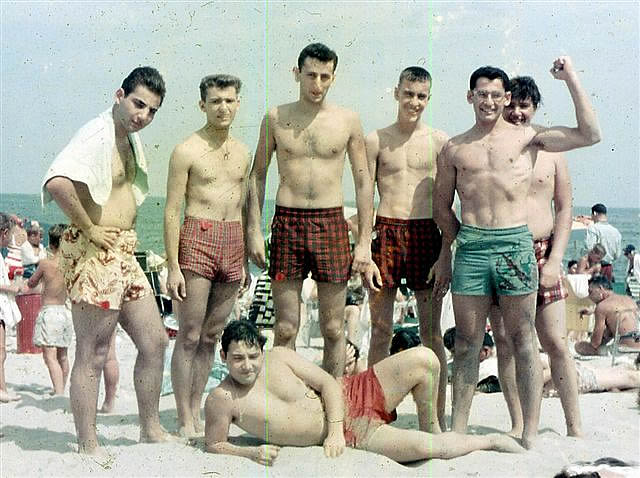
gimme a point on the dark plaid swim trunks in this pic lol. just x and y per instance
(542, 248)
(309, 240)
(406, 248)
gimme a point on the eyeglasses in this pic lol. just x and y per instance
(485, 95)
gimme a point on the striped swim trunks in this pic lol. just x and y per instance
(309, 240)
(212, 249)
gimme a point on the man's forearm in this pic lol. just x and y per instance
(585, 113)
(364, 203)
(64, 194)
(448, 224)
(226, 448)
(255, 201)
(171, 239)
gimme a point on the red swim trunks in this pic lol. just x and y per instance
(364, 410)
(406, 248)
(542, 248)
(309, 240)
(212, 249)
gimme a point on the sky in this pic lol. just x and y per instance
(61, 63)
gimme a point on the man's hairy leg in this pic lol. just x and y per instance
(429, 312)
(415, 370)
(111, 372)
(331, 299)
(191, 314)
(93, 327)
(552, 330)
(141, 320)
(221, 300)
(411, 445)
(506, 370)
(50, 357)
(286, 301)
(518, 313)
(471, 317)
(381, 308)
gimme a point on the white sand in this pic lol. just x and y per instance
(39, 437)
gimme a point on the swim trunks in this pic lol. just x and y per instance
(586, 379)
(54, 327)
(309, 240)
(494, 261)
(364, 410)
(547, 295)
(405, 248)
(102, 277)
(212, 249)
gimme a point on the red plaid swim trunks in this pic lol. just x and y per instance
(212, 249)
(364, 408)
(542, 248)
(102, 277)
(309, 240)
(405, 248)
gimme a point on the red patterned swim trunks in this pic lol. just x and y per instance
(309, 240)
(405, 248)
(547, 295)
(364, 408)
(102, 277)
(212, 249)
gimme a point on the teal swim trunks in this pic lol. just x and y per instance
(494, 262)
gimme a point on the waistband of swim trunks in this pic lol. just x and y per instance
(212, 221)
(303, 213)
(395, 221)
(125, 236)
(485, 231)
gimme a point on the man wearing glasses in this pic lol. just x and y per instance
(490, 166)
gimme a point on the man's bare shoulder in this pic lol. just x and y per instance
(189, 147)
(223, 392)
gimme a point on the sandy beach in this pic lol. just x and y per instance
(39, 436)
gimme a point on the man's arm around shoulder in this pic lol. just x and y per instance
(219, 414)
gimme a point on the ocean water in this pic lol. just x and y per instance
(150, 218)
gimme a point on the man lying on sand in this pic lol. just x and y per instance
(306, 406)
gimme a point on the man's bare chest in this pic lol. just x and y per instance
(322, 139)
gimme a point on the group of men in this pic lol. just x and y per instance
(500, 169)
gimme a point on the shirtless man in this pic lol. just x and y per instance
(406, 244)
(491, 166)
(308, 407)
(591, 262)
(54, 326)
(549, 220)
(98, 181)
(209, 172)
(309, 232)
(611, 308)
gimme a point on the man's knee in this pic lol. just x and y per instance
(285, 330)
(422, 358)
(332, 330)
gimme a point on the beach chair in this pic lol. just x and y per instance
(634, 288)
(615, 345)
(261, 311)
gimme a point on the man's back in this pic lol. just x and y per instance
(54, 291)
(406, 169)
(602, 232)
(620, 308)
(310, 150)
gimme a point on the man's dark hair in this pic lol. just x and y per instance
(414, 73)
(523, 87)
(145, 76)
(320, 52)
(404, 339)
(490, 73)
(571, 263)
(601, 281)
(356, 350)
(598, 209)
(449, 339)
(5, 222)
(55, 234)
(242, 331)
(219, 81)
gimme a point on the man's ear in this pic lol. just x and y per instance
(119, 96)
(469, 96)
(296, 74)
(223, 356)
(507, 97)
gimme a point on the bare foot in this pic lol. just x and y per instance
(528, 440)
(7, 396)
(106, 408)
(575, 432)
(190, 432)
(505, 443)
(515, 432)
(98, 455)
(159, 435)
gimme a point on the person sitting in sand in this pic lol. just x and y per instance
(308, 407)
(591, 262)
(9, 312)
(32, 250)
(54, 325)
(611, 308)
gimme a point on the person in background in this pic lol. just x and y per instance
(32, 250)
(591, 263)
(601, 232)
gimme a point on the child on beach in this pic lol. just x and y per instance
(54, 326)
(9, 312)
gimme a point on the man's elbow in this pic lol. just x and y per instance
(57, 185)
